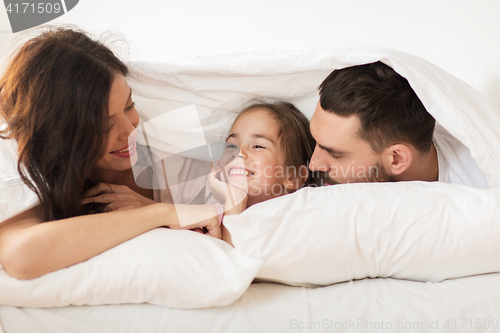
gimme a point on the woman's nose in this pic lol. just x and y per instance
(127, 129)
(130, 123)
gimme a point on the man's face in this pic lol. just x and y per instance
(341, 153)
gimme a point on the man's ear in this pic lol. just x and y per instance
(397, 158)
(296, 178)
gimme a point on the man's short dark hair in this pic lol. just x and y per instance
(388, 108)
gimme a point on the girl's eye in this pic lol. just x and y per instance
(259, 147)
(111, 124)
(336, 156)
(128, 108)
(231, 146)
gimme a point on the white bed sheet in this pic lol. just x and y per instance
(458, 305)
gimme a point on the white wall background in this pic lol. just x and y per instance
(461, 36)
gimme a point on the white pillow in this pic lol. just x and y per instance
(15, 196)
(409, 230)
(173, 268)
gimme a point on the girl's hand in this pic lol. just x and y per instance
(227, 194)
(117, 197)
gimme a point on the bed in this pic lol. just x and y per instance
(461, 305)
(428, 264)
(411, 257)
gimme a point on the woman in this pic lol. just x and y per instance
(66, 102)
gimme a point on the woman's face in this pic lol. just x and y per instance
(120, 153)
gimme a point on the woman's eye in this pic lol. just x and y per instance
(128, 108)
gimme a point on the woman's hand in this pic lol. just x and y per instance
(117, 197)
(193, 217)
(227, 194)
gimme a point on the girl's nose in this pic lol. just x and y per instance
(242, 154)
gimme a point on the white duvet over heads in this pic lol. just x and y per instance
(220, 85)
(316, 236)
(415, 230)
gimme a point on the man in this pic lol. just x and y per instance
(370, 126)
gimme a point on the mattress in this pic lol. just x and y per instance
(469, 304)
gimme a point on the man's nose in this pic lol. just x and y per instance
(318, 161)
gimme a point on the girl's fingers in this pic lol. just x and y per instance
(218, 174)
(215, 174)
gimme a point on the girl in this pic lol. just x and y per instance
(267, 152)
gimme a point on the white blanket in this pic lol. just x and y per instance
(219, 86)
(225, 83)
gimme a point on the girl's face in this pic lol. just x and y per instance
(258, 166)
(120, 152)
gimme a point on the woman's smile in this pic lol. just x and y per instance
(126, 151)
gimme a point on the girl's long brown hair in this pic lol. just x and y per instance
(54, 100)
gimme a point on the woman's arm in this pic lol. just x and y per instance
(29, 248)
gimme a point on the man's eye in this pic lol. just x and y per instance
(335, 156)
